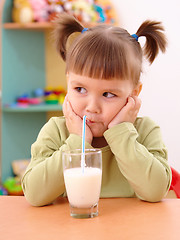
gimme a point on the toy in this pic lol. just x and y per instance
(87, 11)
(67, 5)
(101, 13)
(61, 98)
(50, 98)
(55, 7)
(22, 11)
(40, 10)
(34, 101)
(54, 95)
(49, 95)
(30, 99)
(37, 97)
(22, 101)
(19, 167)
(106, 12)
(13, 186)
(3, 191)
(83, 11)
(60, 93)
(39, 92)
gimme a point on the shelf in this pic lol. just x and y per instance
(37, 25)
(30, 26)
(33, 108)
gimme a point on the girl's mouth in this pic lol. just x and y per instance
(89, 121)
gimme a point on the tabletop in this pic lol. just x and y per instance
(119, 218)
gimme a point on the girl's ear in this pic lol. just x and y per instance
(136, 91)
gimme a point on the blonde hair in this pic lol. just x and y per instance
(107, 52)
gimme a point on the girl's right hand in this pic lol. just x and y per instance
(74, 122)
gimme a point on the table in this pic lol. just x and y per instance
(119, 218)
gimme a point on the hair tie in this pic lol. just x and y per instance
(84, 30)
(135, 36)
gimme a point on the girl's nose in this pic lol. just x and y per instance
(93, 106)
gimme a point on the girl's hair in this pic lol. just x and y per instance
(107, 52)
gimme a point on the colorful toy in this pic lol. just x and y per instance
(40, 10)
(55, 7)
(101, 13)
(51, 98)
(60, 93)
(22, 11)
(67, 5)
(34, 101)
(19, 167)
(3, 191)
(37, 97)
(13, 186)
(54, 95)
(49, 95)
(106, 11)
(22, 101)
(83, 11)
(25, 100)
(87, 11)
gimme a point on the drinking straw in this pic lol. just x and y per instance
(83, 143)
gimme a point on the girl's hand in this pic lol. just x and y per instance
(128, 113)
(74, 122)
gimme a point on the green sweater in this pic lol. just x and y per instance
(134, 163)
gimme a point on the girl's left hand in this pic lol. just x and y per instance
(128, 113)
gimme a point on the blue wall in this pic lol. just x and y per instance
(23, 70)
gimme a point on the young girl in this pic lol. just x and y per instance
(103, 66)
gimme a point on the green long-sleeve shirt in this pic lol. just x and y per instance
(134, 164)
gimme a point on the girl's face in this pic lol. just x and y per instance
(100, 100)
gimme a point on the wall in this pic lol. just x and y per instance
(161, 81)
(1, 2)
(55, 68)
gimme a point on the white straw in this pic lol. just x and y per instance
(83, 143)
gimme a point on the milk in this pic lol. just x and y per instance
(83, 188)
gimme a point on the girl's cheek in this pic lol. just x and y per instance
(114, 112)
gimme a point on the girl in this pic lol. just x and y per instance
(103, 66)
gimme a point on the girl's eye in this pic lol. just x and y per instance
(108, 95)
(80, 89)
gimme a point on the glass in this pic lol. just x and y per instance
(83, 185)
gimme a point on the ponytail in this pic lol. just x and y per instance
(65, 26)
(107, 52)
(155, 38)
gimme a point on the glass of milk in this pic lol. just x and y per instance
(83, 181)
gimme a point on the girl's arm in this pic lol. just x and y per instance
(43, 180)
(141, 157)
